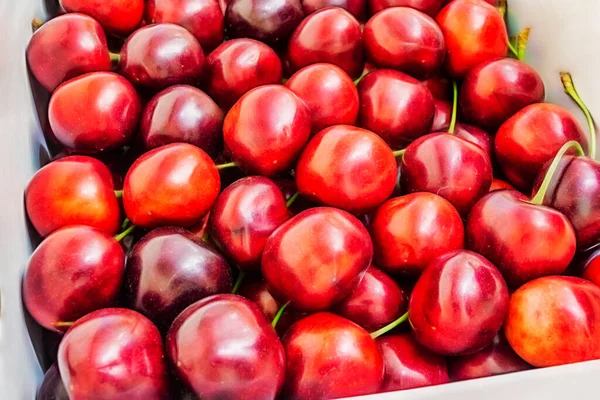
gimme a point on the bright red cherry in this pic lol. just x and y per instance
(591, 267)
(441, 116)
(117, 17)
(430, 7)
(476, 136)
(355, 7)
(499, 184)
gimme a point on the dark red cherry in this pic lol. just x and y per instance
(355, 7)
(52, 387)
(440, 87)
(442, 116)
(476, 136)
(430, 7)
(117, 17)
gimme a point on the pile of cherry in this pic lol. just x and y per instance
(262, 199)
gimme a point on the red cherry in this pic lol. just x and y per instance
(330, 35)
(395, 106)
(591, 267)
(405, 39)
(329, 93)
(94, 112)
(330, 357)
(223, 347)
(474, 32)
(525, 241)
(348, 168)
(243, 218)
(76, 190)
(237, 66)
(476, 136)
(266, 129)
(332, 251)
(430, 7)
(555, 320)
(410, 231)
(113, 353)
(442, 116)
(458, 304)
(355, 7)
(118, 17)
(499, 184)
(174, 184)
(440, 87)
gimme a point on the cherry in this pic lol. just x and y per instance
(440, 87)
(113, 353)
(499, 184)
(348, 168)
(555, 320)
(590, 267)
(203, 18)
(498, 358)
(161, 55)
(375, 302)
(223, 347)
(476, 136)
(174, 184)
(52, 387)
(94, 112)
(355, 7)
(266, 130)
(517, 236)
(118, 17)
(237, 66)
(532, 137)
(408, 365)
(329, 35)
(330, 357)
(410, 231)
(405, 39)
(458, 304)
(430, 7)
(447, 165)
(494, 91)
(264, 20)
(395, 106)
(183, 113)
(332, 251)
(167, 271)
(244, 216)
(442, 116)
(474, 32)
(329, 93)
(75, 190)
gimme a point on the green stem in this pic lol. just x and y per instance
(62, 324)
(36, 24)
(279, 314)
(115, 57)
(284, 81)
(454, 107)
(205, 237)
(522, 40)
(399, 153)
(539, 196)
(512, 49)
(119, 193)
(126, 232)
(238, 281)
(224, 166)
(292, 199)
(390, 326)
(567, 82)
(125, 223)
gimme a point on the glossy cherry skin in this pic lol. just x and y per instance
(174, 184)
(243, 218)
(117, 17)
(113, 353)
(405, 39)
(494, 91)
(525, 241)
(447, 165)
(330, 357)
(264, 20)
(575, 192)
(499, 184)
(183, 113)
(329, 93)
(458, 304)
(94, 112)
(430, 7)
(347, 167)
(237, 66)
(440, 87)
(203, 18)
(532, 137)
(75, 190)
(224, 347)
(65, 47)
(555, 320)
(375, 302)
(476, 136)
(441, 116)
(410, 231)
(474, 32)
(266, 129)
(498, 358)
(161, 55)
(395, 106)
(355, 7)
(330, 35)
(167, 271)
(409, 365)
(333, 250)
(52, 387)
(75, 270)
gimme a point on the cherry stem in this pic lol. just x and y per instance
(522, 40)
(36, 24)
(502, 6)
(538, 199)
(63, 324)
(292, 199)
(284, 81)
(512, 49)
(119, 193)
(125, 223)
(126, 232)
(399, 153)
(225, 166)
(567, 82)
(357, 80)
(390, 326)
(238, 281)
(454, 106)
(205, 237)
(279, 314)
(115, 57)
